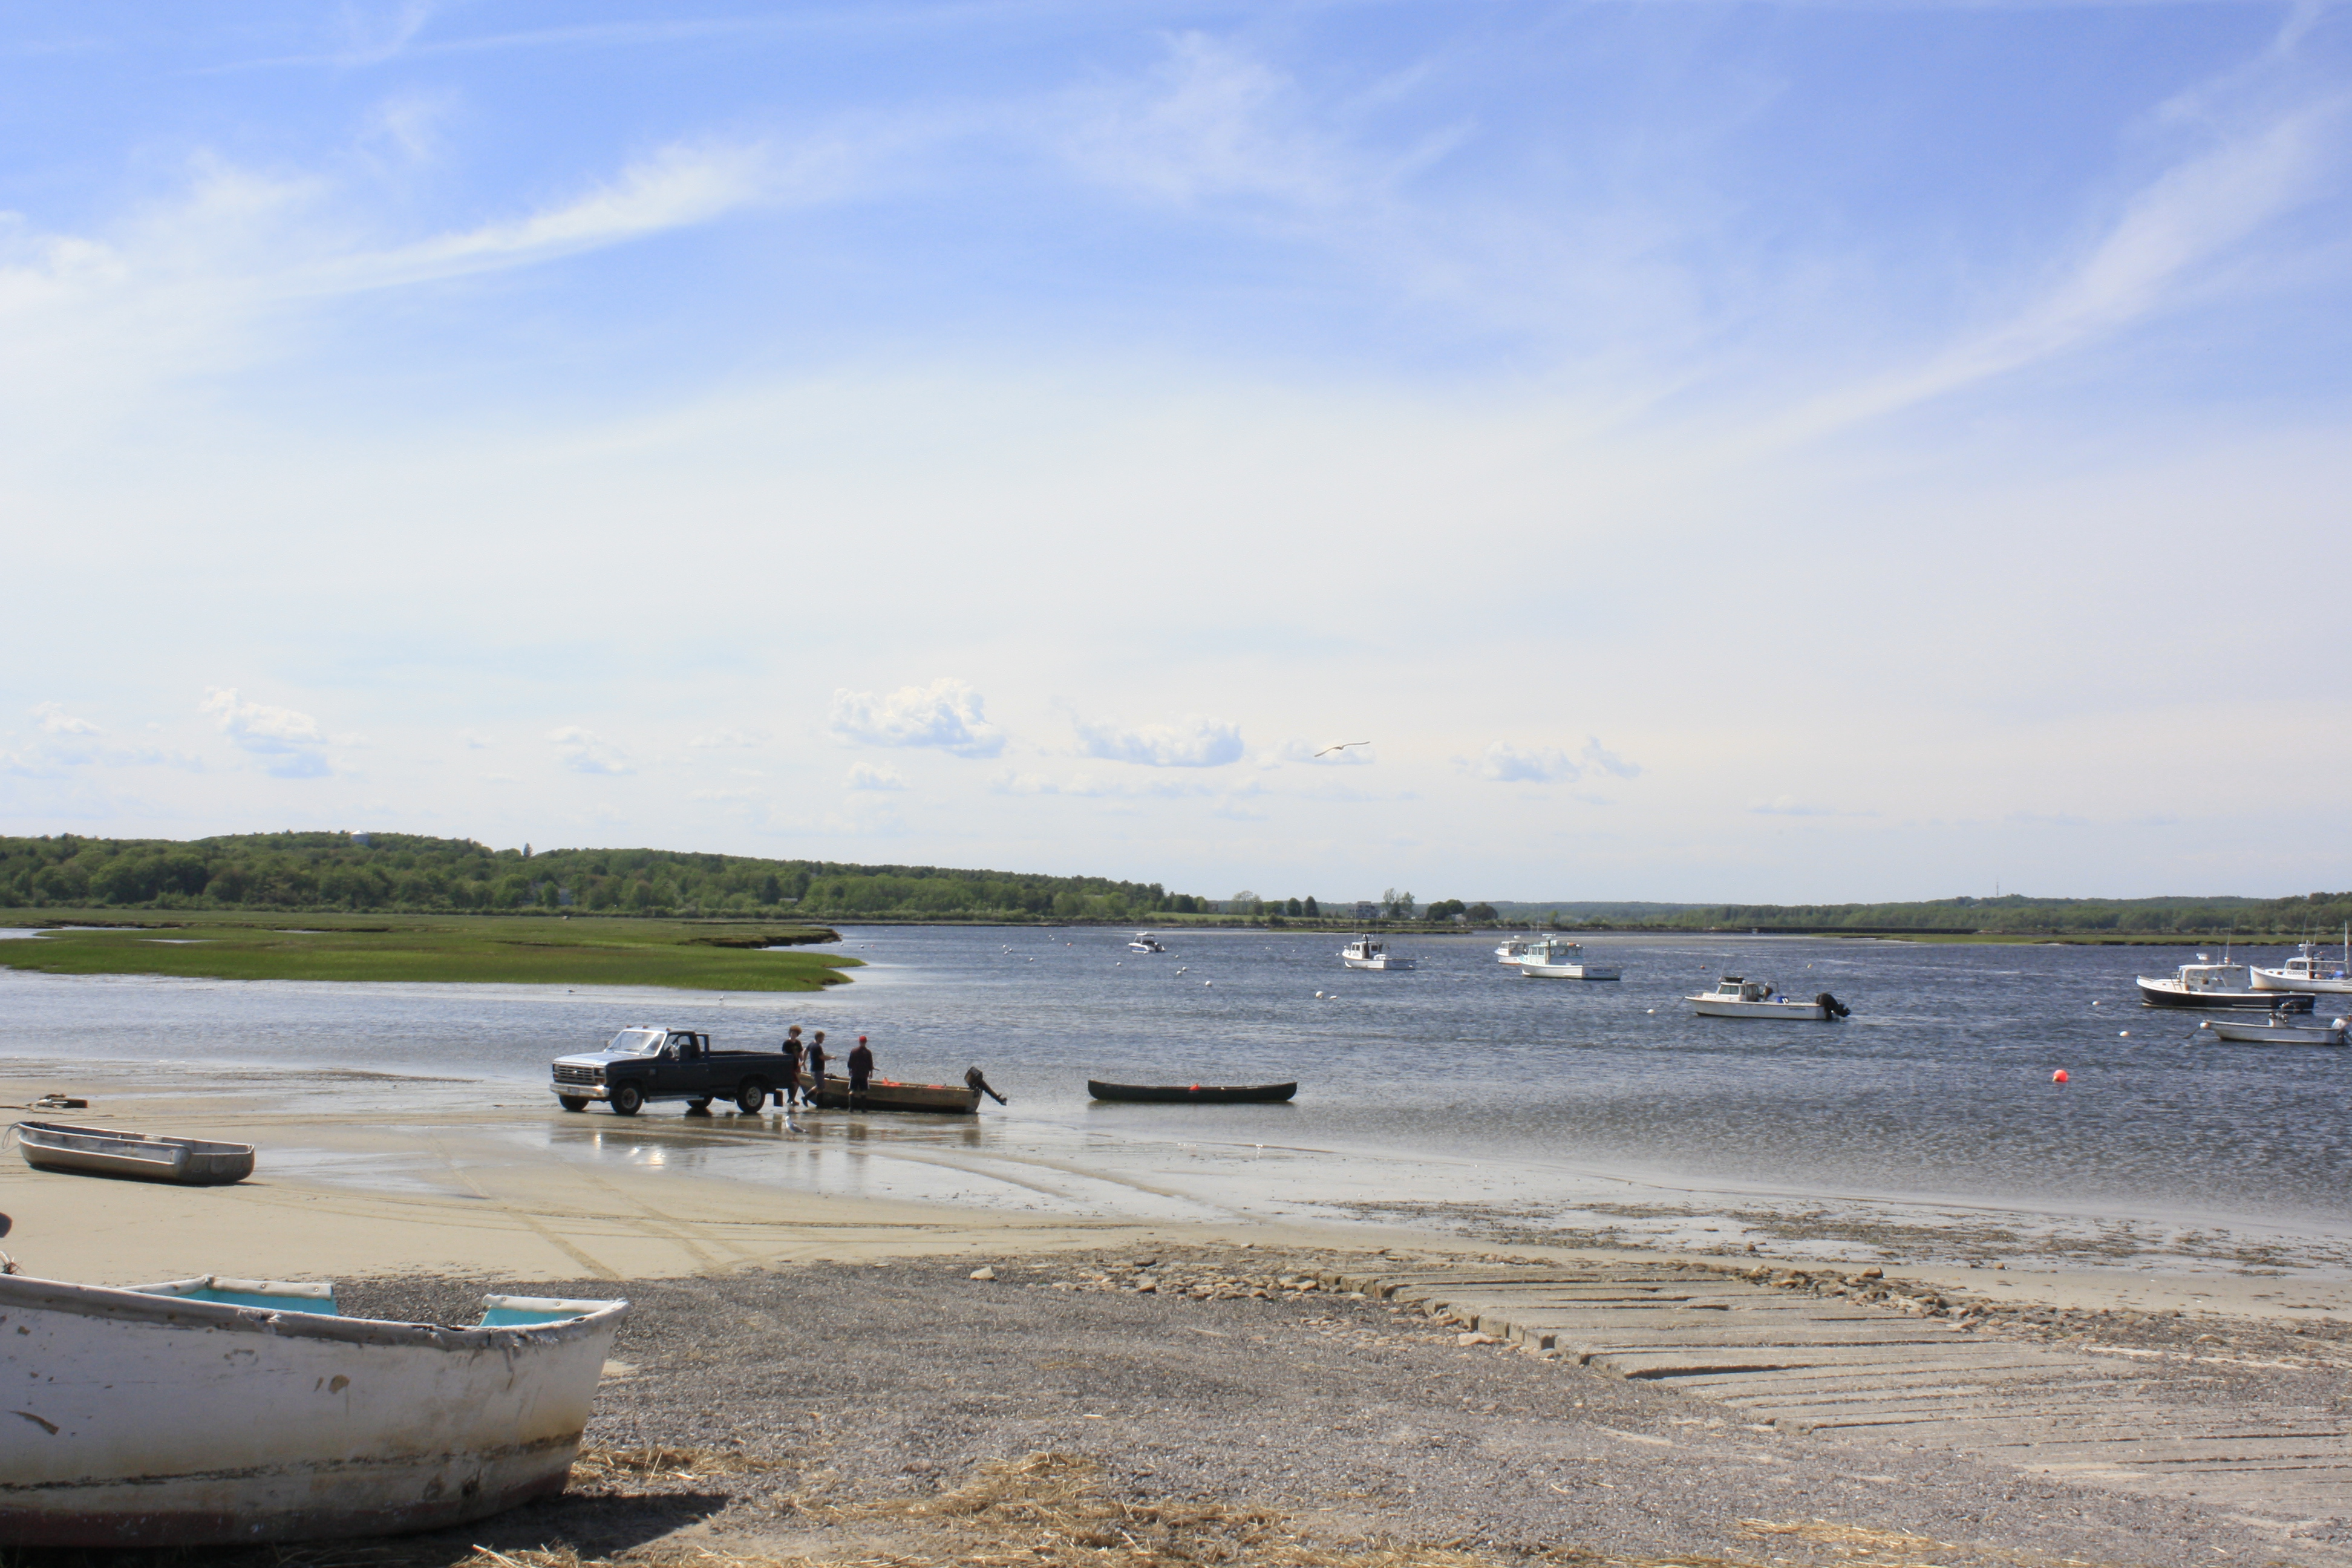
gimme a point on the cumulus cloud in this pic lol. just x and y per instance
(1507, 763)
(946, 714)
(51, 719)
(866, 775)
(287, 743)
(1607, 762)
(1191, 742)
(585, 752)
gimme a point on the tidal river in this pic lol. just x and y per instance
(1458, 1095)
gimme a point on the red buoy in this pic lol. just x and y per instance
(2058, 1077)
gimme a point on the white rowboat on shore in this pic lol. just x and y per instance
(210, 1411)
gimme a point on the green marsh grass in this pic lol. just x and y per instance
(442, 950)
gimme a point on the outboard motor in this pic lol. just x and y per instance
(974, 1079)
(1831, 1007)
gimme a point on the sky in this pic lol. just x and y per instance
(1763, 452)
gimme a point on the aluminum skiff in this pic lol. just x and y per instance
(2273, 1031)
(211, 1411)
(882, 1094)
(147, 1156)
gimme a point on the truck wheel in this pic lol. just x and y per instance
(628, 1099)
(571, 1102)
(752, 1097)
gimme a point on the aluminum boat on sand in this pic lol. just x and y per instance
(146, 1156)
(211, 1411)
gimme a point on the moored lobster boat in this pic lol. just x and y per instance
(1735, 997)
(209, 1411)
(2216, 985)
(1193, 1094)
(147, 1156)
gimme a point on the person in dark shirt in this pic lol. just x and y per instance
(790, 1094)
(861, 1073)
(814, 1093)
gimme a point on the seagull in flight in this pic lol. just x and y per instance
(1342, 746)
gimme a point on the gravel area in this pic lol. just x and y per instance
(789, 1401)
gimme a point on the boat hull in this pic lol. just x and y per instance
(1792, 1012)
(1193, 1094)
(60, 1147)
(950, 1099)
(146, 1421)
(1378, 963)
(2172, 993)
(2271, 1034)
(2276, 980)
(1535, 970)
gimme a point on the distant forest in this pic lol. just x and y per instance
(400, 872)
(2315, 915)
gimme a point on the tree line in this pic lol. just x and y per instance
(400, 872)
(2315, 915)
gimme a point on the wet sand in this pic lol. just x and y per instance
(811, 1331)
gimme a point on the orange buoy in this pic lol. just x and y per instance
(2058, 1077)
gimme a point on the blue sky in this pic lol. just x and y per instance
(1774, 452)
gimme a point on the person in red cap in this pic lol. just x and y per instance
(861, 1069)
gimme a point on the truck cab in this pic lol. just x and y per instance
(647, 1063)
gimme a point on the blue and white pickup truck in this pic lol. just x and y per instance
(646, 1064)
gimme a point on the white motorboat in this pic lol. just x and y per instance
(2308, 970)
(1145, 943)
(204, 1411)
(1735, 997)
(1366, 952)
(1549, 958)
(1513, 949)
(2216, 985)
(2278, 1029)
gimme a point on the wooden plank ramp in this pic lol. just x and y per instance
(1862, 1372)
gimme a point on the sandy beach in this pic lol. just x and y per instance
(818, 1364)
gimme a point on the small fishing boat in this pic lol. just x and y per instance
(208, 1412)
(2309, 970)
(1549, 958)
(1195, 1094)
(1145, 943)
(885, 1094)
(2216, 985)
(2278, 1029)
(1364, 953)
(145, 1156)
(1735, 997)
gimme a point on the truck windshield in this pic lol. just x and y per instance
(636, 1042)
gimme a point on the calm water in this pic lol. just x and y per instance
(1939, 1087)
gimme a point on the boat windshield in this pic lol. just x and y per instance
(636, 1043)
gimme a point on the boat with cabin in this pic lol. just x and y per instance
(1145, 943)
(1735, 997)
(2278, 1029)
(2309, 970)
(1369, 953)
(2204, 984)
(1550, 958)
(1512, 949)
(217, 1411)
(140, 1156)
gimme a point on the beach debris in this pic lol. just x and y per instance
(983, 1272)
(1475, 1339)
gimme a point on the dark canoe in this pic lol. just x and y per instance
(1195, 1094)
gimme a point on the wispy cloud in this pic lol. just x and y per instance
(1087, 786)
(948, 715)
(585, 752)
(1193, 742)
(867, 776)
(730, 739)
(1507, 763)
